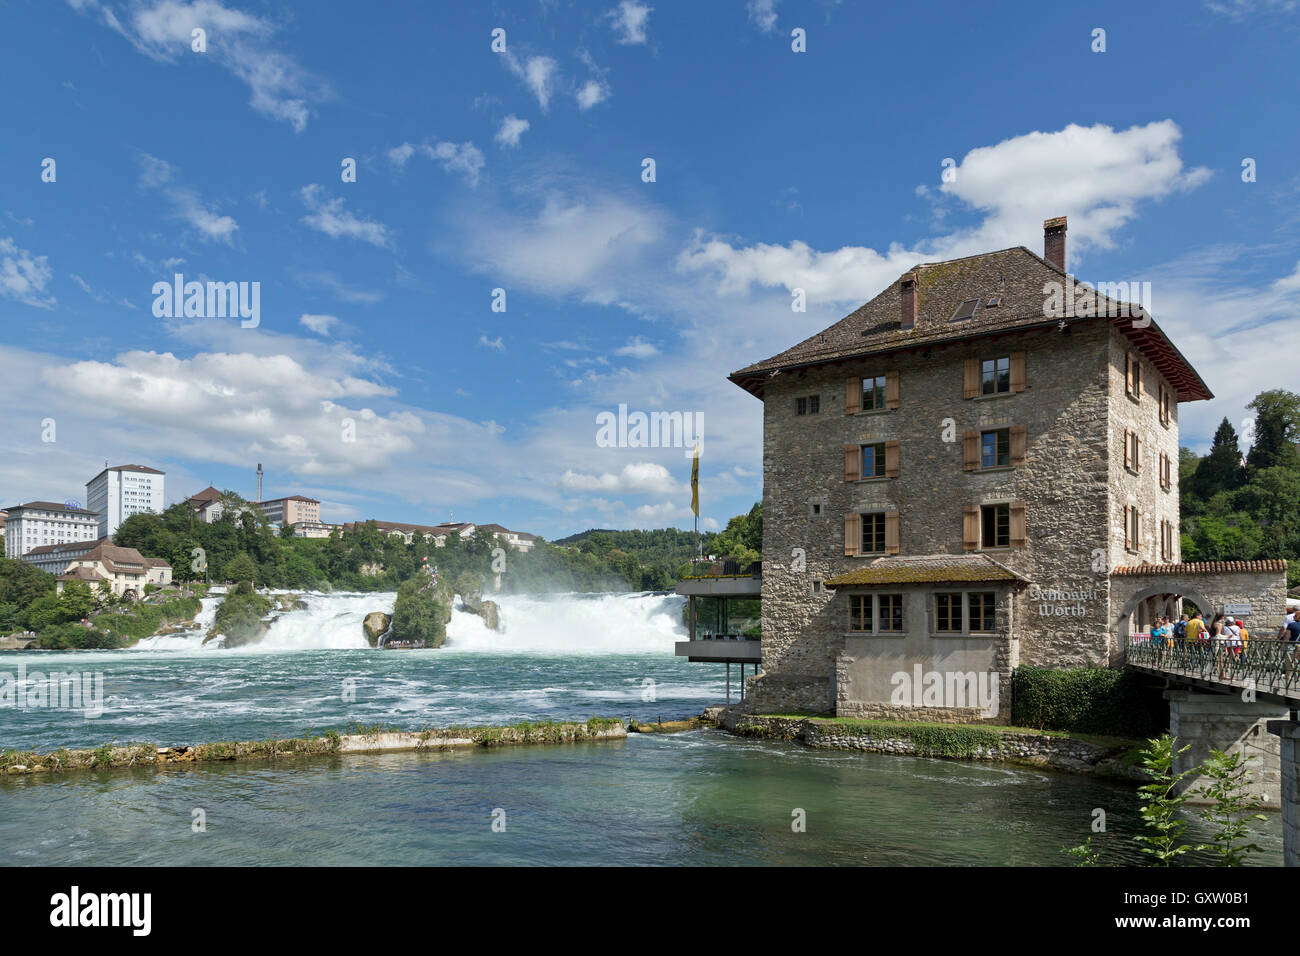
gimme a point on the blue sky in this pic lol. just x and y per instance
(522, 170)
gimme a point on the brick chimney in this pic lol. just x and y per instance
(1054, 241)
(907, 301)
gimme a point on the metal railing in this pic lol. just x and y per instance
(1263, 663)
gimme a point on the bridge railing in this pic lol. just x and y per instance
(1267, 664)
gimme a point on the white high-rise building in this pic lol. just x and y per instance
(40, 523)
(117, 493)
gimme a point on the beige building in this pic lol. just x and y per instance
(293, 509)
(124, 571)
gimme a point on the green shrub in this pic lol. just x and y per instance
(1112, 702)
(76, 637)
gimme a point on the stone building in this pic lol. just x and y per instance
(975, 470)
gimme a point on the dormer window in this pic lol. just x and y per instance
(965, 310)
(993, 302)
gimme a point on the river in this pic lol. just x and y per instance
(703, 797)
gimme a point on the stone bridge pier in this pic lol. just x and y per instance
(1288, 733)
(1208, 720)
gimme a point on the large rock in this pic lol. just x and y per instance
(376, 626)
(488, 611)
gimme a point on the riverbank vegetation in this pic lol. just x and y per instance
(1230, 807)
(365, 558)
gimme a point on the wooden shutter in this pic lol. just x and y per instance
(1128, 460)
(970, 527)
(970, 451)
(1019, 440)
(1128, 372)
(1018, 530)
(891, 459)
(891, 532)
(1137, 452)
(1017, 371)
(1128, 538)
(852, 395)
(852, 536)
(891, 389)
(852, 462)
(970, 383)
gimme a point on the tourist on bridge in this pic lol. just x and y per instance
(1195, 630)
(1180, 628)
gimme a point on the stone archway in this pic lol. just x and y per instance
(1170, 591)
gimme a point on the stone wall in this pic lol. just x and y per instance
(1065, 483)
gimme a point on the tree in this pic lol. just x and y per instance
(1221, 469)
(1277, 429)
(241, 568)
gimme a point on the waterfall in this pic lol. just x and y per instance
(549, 624)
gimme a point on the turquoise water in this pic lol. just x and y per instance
(698, 798)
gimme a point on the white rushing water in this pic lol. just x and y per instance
(542, 624)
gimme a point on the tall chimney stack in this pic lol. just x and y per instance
(259, 482)
(1054, 241)
(907, 301)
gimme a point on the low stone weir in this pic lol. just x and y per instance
(376, 740)
(951, 741)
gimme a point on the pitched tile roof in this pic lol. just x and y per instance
(1015, 276)
(1204, 567)
(929, 568)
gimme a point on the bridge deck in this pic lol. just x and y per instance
(1267, 667)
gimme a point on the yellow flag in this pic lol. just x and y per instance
(695, 481)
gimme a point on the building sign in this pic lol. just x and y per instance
(1234, 609)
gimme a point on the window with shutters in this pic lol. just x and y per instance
(875, 613)
(873, 393)
(1133, 529)
(995, 448)
(1166, 472)
(873, 533)
(1132, 452)
(995, 526)
(873, 461)
(1133, 376)
(1166, 405)
(995, 375)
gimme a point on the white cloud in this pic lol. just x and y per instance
(539, 74)
(639, 478)
(762, 13)
(572, 243)
(637, 348)
(495, 343)
(512, 129)
(329, 216)
(465, 158)
(320, 324)
(591, 93)
(23, 276)
(185, 201)
(239, 42)
(1094, 175)
(629, 20)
